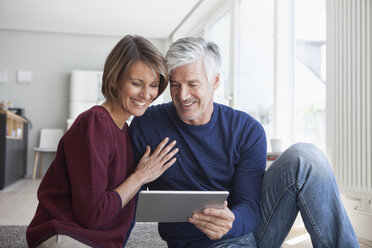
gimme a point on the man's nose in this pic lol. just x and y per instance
(184, 93)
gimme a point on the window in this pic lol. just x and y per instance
(219, 33)
(273, 64)
(310, 84)
(254, 87)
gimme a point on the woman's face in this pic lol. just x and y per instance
(139, 89)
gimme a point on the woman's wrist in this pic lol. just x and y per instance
(138, 178)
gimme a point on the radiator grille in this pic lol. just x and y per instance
(349, 95)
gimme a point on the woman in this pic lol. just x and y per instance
(86, 196)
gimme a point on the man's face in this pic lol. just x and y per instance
(192, 94)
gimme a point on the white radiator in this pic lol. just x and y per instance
(349, 136)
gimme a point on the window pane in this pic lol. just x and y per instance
(255, 56)
(219, 33)
(310, 87)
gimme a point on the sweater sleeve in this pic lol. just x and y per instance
(87, 151)
(247, 184)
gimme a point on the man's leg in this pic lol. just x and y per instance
(246, 241)
(302, 180)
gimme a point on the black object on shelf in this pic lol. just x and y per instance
(18, 111)
(13, 152)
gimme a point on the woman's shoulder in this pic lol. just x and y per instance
(95, 119)
(94, 114)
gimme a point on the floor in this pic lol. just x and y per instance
(18, 203)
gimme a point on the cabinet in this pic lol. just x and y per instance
(13, 147)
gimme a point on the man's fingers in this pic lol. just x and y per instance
(211, 233)
(214, 221)
(219, 213)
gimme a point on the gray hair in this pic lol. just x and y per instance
(186, 50)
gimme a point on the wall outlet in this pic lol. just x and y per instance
(3, 77)
(24, 77)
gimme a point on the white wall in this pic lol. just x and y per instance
(362, 223)
(50, 57)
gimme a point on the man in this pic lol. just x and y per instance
(224, 149)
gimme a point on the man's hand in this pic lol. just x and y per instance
(214, 222)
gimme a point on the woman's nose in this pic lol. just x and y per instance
(145, 93)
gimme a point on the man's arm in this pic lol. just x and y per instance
(243, 216)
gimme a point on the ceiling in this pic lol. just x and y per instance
(149, 18)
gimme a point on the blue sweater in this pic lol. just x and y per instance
(227, 153)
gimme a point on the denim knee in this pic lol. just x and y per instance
(309, 158)
(308, 153)
(304, 150)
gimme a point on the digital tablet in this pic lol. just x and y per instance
(175, 206)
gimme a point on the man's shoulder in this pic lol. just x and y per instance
(153, 115)
(238, 118)
(229, 112)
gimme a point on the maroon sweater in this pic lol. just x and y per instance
(76, 196)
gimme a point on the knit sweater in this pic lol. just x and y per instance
(76, 195)
(227, 153)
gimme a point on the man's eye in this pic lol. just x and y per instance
(173, 85)
(193, 85)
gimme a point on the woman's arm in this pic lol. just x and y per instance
(149, 168)
(87, 148)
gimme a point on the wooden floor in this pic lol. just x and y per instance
(18, 203)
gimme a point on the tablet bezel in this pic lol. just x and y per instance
(175, 206)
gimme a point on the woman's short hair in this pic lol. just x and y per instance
(186, 50)
(126, 52)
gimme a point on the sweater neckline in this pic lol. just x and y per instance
(104, 110)
(209, 124)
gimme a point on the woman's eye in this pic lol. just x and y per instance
(136, 84)
(155, 85)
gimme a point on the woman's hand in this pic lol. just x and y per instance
(150, 167)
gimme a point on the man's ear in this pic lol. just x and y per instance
(216, 81)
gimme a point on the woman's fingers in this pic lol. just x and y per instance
(161, 150)
(160, 147)
(169, 155)
(166, 150)
(154, 165)
(147, 152)
(167, 165)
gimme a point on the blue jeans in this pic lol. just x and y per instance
(301, 180)
(246, 241)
